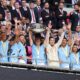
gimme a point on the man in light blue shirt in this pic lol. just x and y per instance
(22, 50)
(75, 58)
(14, 51)
(63, 54)
(3, 48)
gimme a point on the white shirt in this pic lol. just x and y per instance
(74, 1)
(52, 53)
(33, 19)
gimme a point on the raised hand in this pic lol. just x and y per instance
(49, 25)
(69, 26)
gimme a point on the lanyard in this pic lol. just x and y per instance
(4, 46)
(65, 50)
(76, 58)
(38, 51)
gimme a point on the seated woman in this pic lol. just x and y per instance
(75, 58)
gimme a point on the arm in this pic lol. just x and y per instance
(62, 36)
(46, 41)
(30, 38)
(74, 39)
(60, 39)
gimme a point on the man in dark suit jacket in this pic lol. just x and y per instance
(34, 18)
(74, 17)
(24, 9)
(2, 13)
(61, 16)
(16, 13)
(45, 14)
(48, 16)
(39, 8)
(3, 7)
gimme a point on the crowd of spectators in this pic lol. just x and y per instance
(58, 46)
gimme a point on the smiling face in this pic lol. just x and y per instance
(17, 6)
(76, 7)
(74, 49)
(38, 2)
(24, 3)
(4, 3)
(3, 36)
(51, 41)
(46, 5)
(37, 41)
(22, 39)
(64, 42)
(31, 5)
(61, 5)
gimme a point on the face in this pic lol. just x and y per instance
(76, 7)
(31, 5)
(74, 48)
(61, 5)
(17, 5)
(24, 3)
(22, 39)
(12, 1)
(4, 2)
(11, 43)
(52, 41)
(38, 2)
(37, 41)
(3, 36)
(46, 6)
(3, 28)
(64, 42)
(24, 20)
(8, 26)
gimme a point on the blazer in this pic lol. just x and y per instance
(74, 19)
(36, 15)
(60, 19)
(2, 12)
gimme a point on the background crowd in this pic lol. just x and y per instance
(58, 46)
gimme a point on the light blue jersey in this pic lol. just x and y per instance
(22, 51)
(63, 54)
(4, 51)
(75, 61)
(14, 55)
(38, 57)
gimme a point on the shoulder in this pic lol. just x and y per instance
(71, 54)
(33, 45)
(59, 48)
(48, 46)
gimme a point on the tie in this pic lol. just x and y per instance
(33, 16)
(39, 10)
